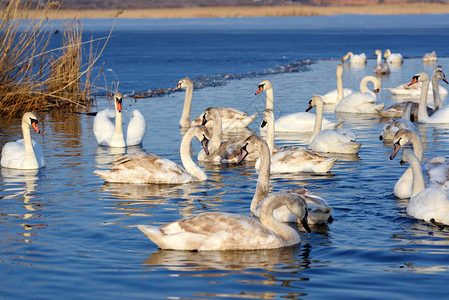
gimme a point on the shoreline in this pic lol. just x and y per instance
(253, 11)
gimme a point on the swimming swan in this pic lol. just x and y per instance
(295, 122)
(393, 58)
(355, 59)
(151, 168)
(292, 159)
(226, 231)
(25, 153)
(363, 102)
(318, 209)
(393, 125)
(381, 68)
(441, 115)
(430, 57)
(330, 141)
(231, 118)
(430, 204)
(108, 134)
(336, 95)
(220, 151)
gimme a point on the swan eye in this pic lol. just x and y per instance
(416, 77)
(261, 86)
(33, 121)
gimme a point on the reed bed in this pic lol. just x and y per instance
(32, 76)
(259, 11)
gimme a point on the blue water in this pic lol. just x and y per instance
(64, 232)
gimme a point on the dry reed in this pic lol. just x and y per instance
(259, 11)
(32, 77)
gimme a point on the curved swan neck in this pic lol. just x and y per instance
(318, 119)
(263, 184)
(185, 117)
(418, 148)
(270, 98)
(436, 92)
(407, 110)
(268, 220)
(30, 155)
(339, 83)
(364, 83)
(190, 166)
(422, 109)
(418, 178)
(216, 139)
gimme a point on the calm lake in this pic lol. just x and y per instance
(64, 232)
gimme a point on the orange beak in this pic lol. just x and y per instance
(259, 90)
(35, 127)
(376, 91)
(177, 87)
(414, 80)
(119, 106)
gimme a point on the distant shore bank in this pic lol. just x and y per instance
(256, 11)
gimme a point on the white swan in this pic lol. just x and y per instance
(430, 57)
(225, 231)
(25, 153)
(330, 141)
(108, 134)
(363, 102)
(336, 95)
(415, 89)
(430, 204)
(393, 58)
(318, 209)
(441, 115)
(380, 68)
(220, 152)
(231, 118)
(295, 122)
(393, 125)
(355, 59)
(151, 168)
(437, 167)
(292, 159)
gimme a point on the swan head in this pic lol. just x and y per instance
(348, 55)
(440, 74)
(30, 119)
(268, 116)
(420, 77)
(401, 137)
(183, 84)
(118, 98)
(210, 114)
(294, 202)
(387, 53)
(264, 85)
(407, 156)
(251, 144)
(378, 52)
(315, 101)
(202, 134)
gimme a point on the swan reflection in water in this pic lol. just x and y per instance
(105, 155)
(11, 178)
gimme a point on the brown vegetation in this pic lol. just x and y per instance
(32, 77)
(258, 11)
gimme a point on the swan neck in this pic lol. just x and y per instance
(217, 133)
(418, 147)
(270, 99)
(30, 156)
(379, 59)
(263, 185)
(189, 165)
(185, 117)
(270, 135)
(364, 83)
(418, 178)
(340, 93)
(422, 109)
(288, 234)
(318, 120)
(117, 138)
(436, 93)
